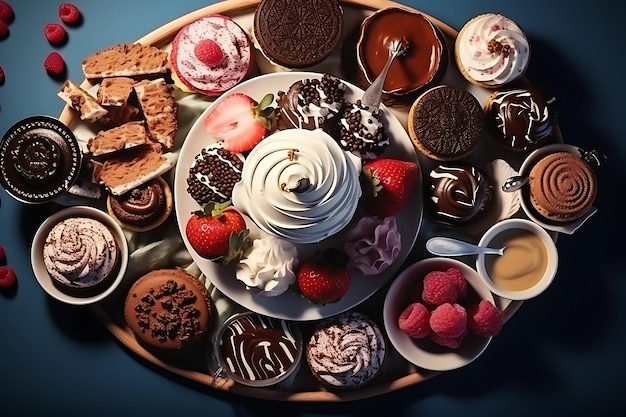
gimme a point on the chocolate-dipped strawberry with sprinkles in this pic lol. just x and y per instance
(361, 131)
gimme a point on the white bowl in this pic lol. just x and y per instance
(39, 268)
(422, 352)
(498, 232)
(528, 164)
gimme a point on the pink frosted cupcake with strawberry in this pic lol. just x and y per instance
(211, 55)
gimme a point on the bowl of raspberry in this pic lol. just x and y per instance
(439, 315)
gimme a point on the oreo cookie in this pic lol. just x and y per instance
(40, 159)
(298, 34)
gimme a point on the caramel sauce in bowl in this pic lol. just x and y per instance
(529, 262)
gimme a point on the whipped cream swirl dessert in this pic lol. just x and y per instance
(80, 253)
(492, 50)
(373, 244)
(346, 351)
(299, 185)
(268, 266)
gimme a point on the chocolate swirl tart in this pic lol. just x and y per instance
(562, 187)
(144, 207)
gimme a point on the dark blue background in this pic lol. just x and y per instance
(562, 353)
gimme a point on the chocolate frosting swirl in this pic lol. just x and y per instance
(458, 193)
(141, 205)
(562, 186)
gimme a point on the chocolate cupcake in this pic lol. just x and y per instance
(457, 193)
(310, 103)
(445, 123)
(297, 34)
(40, 159)
(168, 310)
(213, 174)
(144, 207)
(522, 118)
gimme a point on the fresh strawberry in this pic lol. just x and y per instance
(218, 232)
(209, 52)
(388, 184)
(324, 278)
(7, 276)
(239, 121)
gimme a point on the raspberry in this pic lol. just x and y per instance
(448, 320)
(55, 33)
(1, 76)
(209, 52)
(4, 29)
(450, 342)
(459, 280)
(54, 63)
(484, 319)
(7, 276)
(6, 11)
(69, 13)
(3, 254)
(438, 289)
(414, 320)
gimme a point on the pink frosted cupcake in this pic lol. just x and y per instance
(211, 55)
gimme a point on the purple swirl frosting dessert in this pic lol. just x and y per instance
(458, 193)
(372, 244)
(257, 350)
(523, 118)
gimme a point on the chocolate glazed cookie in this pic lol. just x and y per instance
(300, 33)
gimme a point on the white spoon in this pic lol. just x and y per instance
(446, 246)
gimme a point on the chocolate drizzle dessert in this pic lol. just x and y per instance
(257, 350)
(40, 159)
(213, 174)
(457, 193)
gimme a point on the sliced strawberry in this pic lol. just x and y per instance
(239, 121)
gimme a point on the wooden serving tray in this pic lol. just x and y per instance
(396, 374)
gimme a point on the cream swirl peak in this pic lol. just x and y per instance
(268, 266)
(299, 185)
(80, 252)
(492, 49)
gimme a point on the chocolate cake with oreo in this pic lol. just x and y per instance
(213, 174)
(310, 103)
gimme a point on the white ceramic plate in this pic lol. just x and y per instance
(290, 305)
(36, 255)
(421, 352)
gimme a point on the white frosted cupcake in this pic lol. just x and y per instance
(491, 50)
